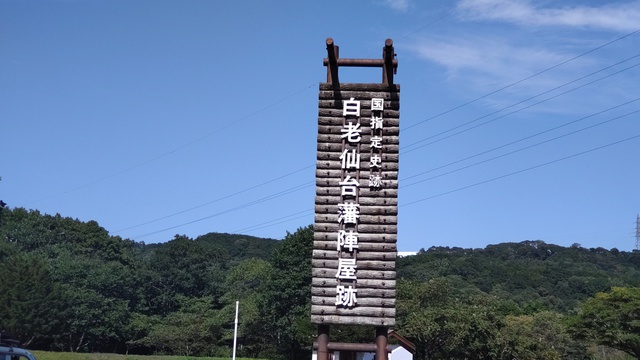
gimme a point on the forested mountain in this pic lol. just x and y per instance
(531, 273)
(68, 285)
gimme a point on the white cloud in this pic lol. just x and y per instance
(482, 64)
(491, 58)
(398, 5)
(612, 16)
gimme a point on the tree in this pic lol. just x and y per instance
(446, 320)
(286, 309)
(611, 319)
(30, 301)
(182, 267)
(542, 335)
(194, 329)
(246, 282)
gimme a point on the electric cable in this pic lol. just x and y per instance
(524, 138)
(176, 149)
(522, 80)
(523, 170)
(214, 201)
(469, 122)
(515, 111)
(502, 116)
(524, 148)
(506, 175)
(239, 207)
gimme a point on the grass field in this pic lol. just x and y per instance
(45, 355)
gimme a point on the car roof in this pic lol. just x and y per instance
(14, 350)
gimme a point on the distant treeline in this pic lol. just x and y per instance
(67, 285)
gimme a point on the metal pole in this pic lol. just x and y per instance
(235, 332)
(323, 342)
(381, 343)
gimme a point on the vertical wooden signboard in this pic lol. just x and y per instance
(356, 203)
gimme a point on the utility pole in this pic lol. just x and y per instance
(235, 332)
(638, 232)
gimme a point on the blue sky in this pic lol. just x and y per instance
(519, 119)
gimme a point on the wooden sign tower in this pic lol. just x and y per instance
(356, 203)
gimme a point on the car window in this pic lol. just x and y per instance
(13, 357)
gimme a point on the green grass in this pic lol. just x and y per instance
(46, 355)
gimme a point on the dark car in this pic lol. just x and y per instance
(10, 350)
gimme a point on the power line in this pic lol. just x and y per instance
(438, 115)
(216, 200)
(288, 217)
(518, 110)
(492, 179)
(267, 198)
(510, 106)
(524, 148)
(502, 116)
(523, 170)
(176, 149)
(280, 220)
(521, 80)
(532, 136)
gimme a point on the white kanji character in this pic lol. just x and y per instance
(348, 240)
(375, 181)
(350, 159)
(346, 296)
(376, 122)
(349, 186)
(351, 132)
(376, 142)
(377, 104)
(348, 213)
(347, 269)
(351, 107)
(376, 160)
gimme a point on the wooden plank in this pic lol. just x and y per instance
(364, 210)
(364, 274)
(389, 189)
(322, 174)
(356, 311)
(369, 254)
(362, 265)
(388, 247)
(333, 112)
(359, 94)
(365, 105)
(364, 238)
(337, 139)
(365, 122)
(382, 197)
(334, 165)
(366, 228)
(361, 87)
(333, 158)
(388, 284)
(391, 186)
(361, 301)
(362, 220)
(388, 148)
(320, 235)
(365, 132)
(362, 292)
(360, 320)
